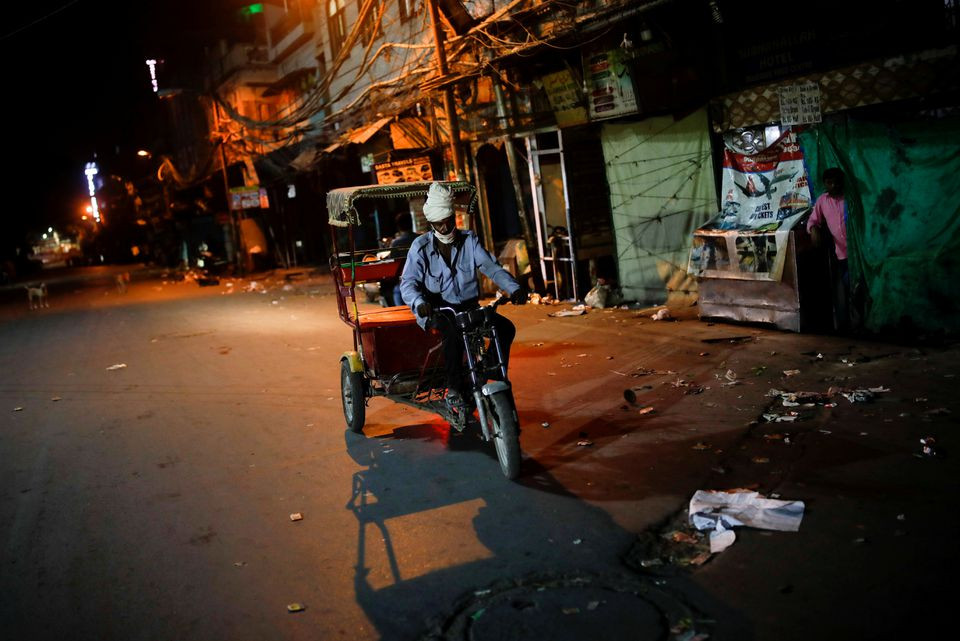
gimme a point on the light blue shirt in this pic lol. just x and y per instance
(426, 272)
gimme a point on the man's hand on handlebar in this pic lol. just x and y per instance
(424, 309)
(519, 297)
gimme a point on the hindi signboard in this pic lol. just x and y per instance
(800, 104)
(609, 85)
(565, 98)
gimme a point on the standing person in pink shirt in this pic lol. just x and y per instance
(831, 210)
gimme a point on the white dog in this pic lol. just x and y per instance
(37, 295)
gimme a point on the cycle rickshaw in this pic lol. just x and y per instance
(392, 356)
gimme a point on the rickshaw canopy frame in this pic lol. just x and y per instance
(341, 211)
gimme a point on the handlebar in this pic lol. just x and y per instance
(462, 316)
(500, 300)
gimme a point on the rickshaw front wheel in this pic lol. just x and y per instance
(352, 393)
(504, 424)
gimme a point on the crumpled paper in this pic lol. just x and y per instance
(723, 511)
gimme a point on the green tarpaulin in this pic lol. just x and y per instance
(660, 174)
(903, 218)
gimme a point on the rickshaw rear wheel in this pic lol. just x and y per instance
(352, 394)
(506, 433)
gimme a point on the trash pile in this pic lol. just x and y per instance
(201, 278)
(546, 299)
(708, 527)
(808, 400)
(576, 310)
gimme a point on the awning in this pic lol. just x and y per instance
(358, 136)
(306, 160)
(411, 133)
(275, 166)
(363, 134)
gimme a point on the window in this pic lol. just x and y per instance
(371, 28)
(409, 8)
(336, 25)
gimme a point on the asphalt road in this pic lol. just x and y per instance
(153, 501)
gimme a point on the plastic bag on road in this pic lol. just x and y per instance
(602, 295)
(722, 511)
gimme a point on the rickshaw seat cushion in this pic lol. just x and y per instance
(387, 317)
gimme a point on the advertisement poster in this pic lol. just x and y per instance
(404, 171)
(248, 198)
(609, 85)
(565, 98)
(765, 195)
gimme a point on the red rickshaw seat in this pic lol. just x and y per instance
(393, 343)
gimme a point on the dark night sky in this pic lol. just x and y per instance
(75, 83)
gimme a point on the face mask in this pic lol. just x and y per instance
(446, 239)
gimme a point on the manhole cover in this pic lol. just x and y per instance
(569, 608)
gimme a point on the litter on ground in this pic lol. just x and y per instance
(719, 512)
(928, 446)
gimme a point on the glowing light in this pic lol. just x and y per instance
(152, 65)
(90, 171)
(252, 9)
(143, 153)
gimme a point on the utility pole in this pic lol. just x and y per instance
(448, 104)
(234, 233)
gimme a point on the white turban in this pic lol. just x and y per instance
(439, 205)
